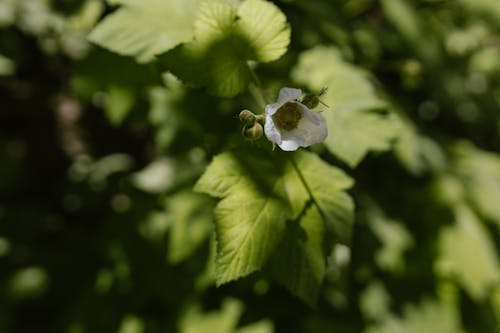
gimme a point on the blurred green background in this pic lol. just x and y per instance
(100, 230)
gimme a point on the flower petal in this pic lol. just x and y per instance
(289, 145)
(310, 130)
(272, 133)
(285, 95)
(288, 94)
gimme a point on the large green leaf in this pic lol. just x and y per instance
(145, 28)
(357, 122)
(262, 191)
(251, 215)
(226, 38)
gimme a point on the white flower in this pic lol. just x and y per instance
(290, 124)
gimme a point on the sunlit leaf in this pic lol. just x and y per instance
(480, 173)
(263, 326)
(119, 102)
(226, 38)
(223, 321)
(416, 152)
(467, 253)
(395, 240)
(145, 28)
(250, 218)
(258, 196)
(429, 316)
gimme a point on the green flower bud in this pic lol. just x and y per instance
(253, 132)
(247, 117)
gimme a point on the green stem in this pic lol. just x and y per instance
(256, 89)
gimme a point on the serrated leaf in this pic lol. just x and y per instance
(266, 29)
(467, 253)
(145, 28)
(226, 38)
(259, 193)
(355, 121)
(250, 218)
(327, 185)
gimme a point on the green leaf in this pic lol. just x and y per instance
(299, 263)
(223, 321)
(145, 28)
(395, 240)
(467, 253)
(416, 152)
(265, 27)
(226, 38)
(260, 192)
(325, 185)
(7, 66)
(250, 218)
(489, 8)
(430, 316)
(479, 172)
(263, 326)
(355, 121)
(119, 102)
(190, 224)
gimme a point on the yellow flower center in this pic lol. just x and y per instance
(287, 117)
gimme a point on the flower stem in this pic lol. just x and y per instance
(256, 89)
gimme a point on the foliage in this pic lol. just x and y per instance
(132, 202)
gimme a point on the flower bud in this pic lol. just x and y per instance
(247, 117)
(253, 132)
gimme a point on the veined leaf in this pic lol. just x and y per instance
(226, 38)
(356, 125)
(145, 28)
(264, 26)
(260, 192)
(250, 218)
